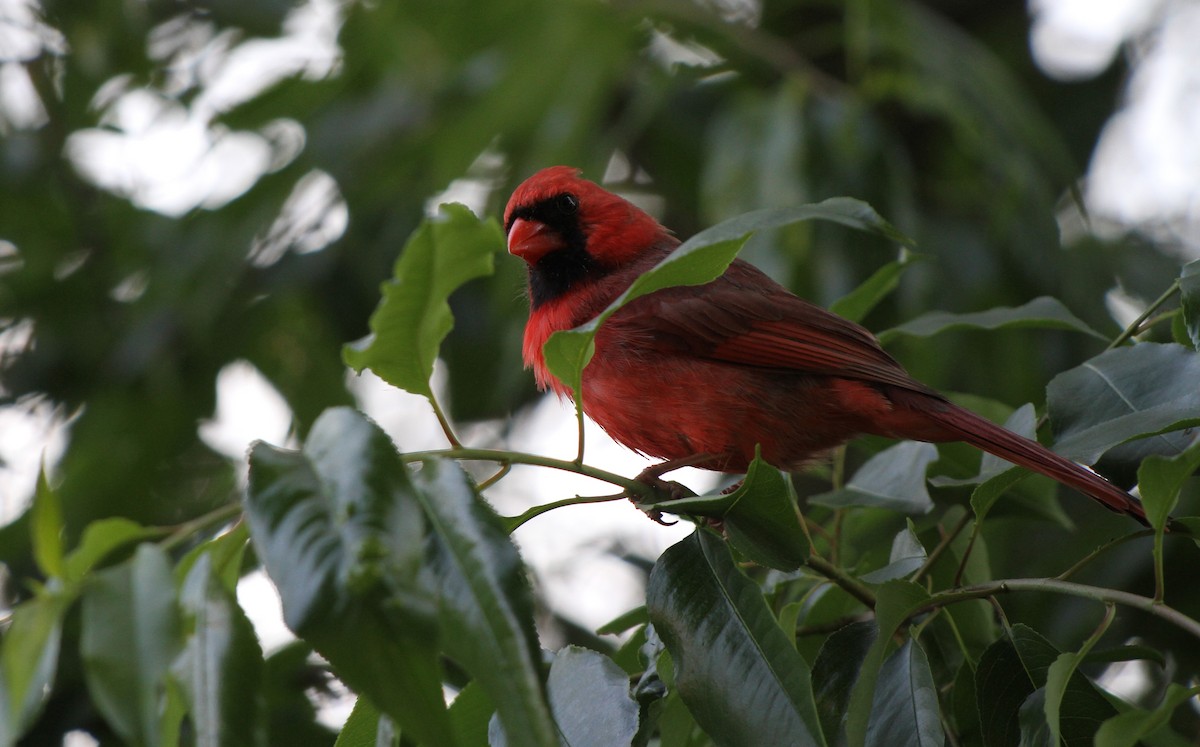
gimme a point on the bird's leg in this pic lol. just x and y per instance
(652, 476)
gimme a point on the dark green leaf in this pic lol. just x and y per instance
(1001, 685)
(340, 531)
(760, 517)
(835, 671)
(1124, 394)
(859, 302)
(905, 710)
(485, 603)
(895, 602)
(893, 479)
(1060, 676)
(131, 634)
(1043, 312)
(623, 622)
(221, 665)
(740, 676)
(1189, 300)
(414, 317)
(1082, 708)
(1035, 732)
(589, 695)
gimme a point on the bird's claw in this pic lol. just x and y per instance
(652, 477)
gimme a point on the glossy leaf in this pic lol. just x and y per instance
(339, 529)
(1043, 312)
(485, 606)
(414, 316)
(1160, 480)
(1124, 394)
(741, 678)
(760, 517)
(366, 727)
(835, 671)
(220, 669)
(895, 602)
(905, 710)
(1082, 709)
(893, 479)
(589, 695)
(131, 635)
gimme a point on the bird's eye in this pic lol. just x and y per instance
(567, 203)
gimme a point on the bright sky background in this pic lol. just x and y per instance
(170, 157)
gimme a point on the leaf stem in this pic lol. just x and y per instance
(1135, 326)
(180, 532)
(838, 576)
(1069, 588)
(534, 511)
(941, 548)
(632, 487)
(444, 422)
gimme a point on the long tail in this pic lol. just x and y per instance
(958, 424)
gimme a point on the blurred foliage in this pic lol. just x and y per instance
(930, 111)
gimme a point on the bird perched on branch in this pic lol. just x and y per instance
(709, 372)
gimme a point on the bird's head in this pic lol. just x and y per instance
(569, 230)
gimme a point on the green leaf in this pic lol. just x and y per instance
(625, 621)
(908, 554)
(101, 538)
(1159, 481)
(859, 302)
(1129, 728)
(485, 605)
(700, 260)
(131, 634)
(29, 659)
(1001, 685)
(366, 727)
(1043, 312)
(1189, 300)
(221, 664)
(1082, 708)
(734, 667)
(340, 532)
(905, 709)
(1058, 679)
(760, 517)
(895, 602)
(1124, 394)
(835, 671)
(470, 714)
(893, 479)
(414, 317)
(46, 522)
(590, 698)
(225, 553)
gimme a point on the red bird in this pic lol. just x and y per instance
(714, 370)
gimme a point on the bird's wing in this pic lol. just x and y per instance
(748, 319)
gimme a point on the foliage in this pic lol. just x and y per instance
(901, 593)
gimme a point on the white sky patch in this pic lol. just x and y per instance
(249, 407)
(33, 432)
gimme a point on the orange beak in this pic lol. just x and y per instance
(531, 240)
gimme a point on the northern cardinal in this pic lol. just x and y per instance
(711, 371)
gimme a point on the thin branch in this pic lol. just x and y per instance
(1085, 560)
(181, 532)
(941, 548)
(1069, 588)
(505, 468)
(535, 511)
(1135, 326)
(838, 576)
